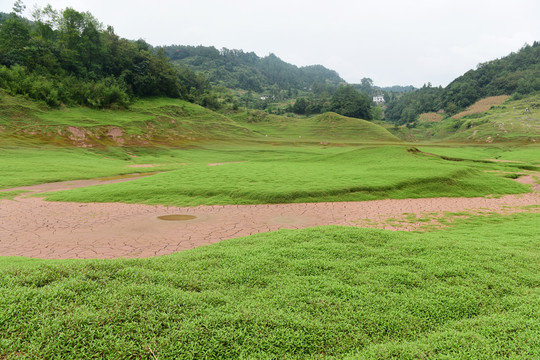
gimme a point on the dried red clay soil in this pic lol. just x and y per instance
(60, 230)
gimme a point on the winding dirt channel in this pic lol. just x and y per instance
(36, 228)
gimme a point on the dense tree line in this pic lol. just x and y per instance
(516, 74)
(391, 93)
(69, 57)
(236, 69)
(407, 108)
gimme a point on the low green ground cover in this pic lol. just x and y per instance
(28, 166)
(469, 292)
(35, 165)
(529, 154)
(308, 176)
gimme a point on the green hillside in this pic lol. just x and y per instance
(512, 122)
(515, 121)
(155, 121)
(166, 121)
(516, 74)
(237, 69)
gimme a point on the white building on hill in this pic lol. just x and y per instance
(379, 99)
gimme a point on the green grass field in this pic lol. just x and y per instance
(470, 292)
(314, 175)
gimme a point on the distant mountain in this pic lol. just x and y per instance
(237, 69)
(515, 74)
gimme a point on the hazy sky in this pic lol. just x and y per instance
(393, 42)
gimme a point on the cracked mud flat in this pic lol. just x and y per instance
(35, 228)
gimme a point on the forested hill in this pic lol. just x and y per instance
(69, 57)
(237, 69)
(516, 74)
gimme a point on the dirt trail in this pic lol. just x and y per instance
(35, 228)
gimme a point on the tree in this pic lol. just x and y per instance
(349, 102)
(18, 7)
(366, 85)
(299, 106)
(14, 37)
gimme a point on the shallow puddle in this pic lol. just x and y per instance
(177, 217)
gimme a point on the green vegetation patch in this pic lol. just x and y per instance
(36, 165)
(309, 176)
(10, 195)
(29, 166)
(338, 292)
(518, 154)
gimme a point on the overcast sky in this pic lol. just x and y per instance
(393, 42)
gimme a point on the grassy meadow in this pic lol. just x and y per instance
(310, 175)
(470, 291)
(36, 165)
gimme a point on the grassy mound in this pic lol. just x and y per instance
(325, 128)
(29, 166)
(513, 156)
(336, 292)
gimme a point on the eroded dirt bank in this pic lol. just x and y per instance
(36, 228)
